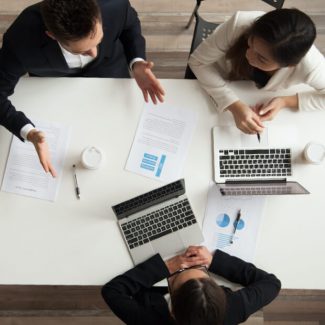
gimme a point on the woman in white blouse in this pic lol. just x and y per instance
(275, 50)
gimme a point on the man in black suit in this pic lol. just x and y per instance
(71, 38)
(195, 298)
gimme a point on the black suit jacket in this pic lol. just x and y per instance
(27, 49)
(132, 297)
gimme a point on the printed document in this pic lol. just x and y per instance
(24, 174)
(161, 142)
(219, 222)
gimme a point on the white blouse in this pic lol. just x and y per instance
(211, 68)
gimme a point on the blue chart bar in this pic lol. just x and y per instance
(223, 240)
(152, 168)
(161, 165)
(149, 162)
(152, 157)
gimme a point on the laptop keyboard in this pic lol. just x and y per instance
(158, 223)
(149, 199)
(246, 163)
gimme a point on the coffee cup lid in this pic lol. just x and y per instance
(315, 152)
(91, 157)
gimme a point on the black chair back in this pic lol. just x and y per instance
(202, 30)
(278, 4)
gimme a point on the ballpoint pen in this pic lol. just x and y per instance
(76, 182)
(258, 137)
(235, 226)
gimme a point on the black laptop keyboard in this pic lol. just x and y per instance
(149, 199)
(158, 223)
(248, 163)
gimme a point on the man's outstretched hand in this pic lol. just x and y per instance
(42, 149)
(148, 82)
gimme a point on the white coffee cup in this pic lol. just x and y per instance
(314, 152)
(91, 157)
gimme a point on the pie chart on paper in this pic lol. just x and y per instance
(240, 225)
(223, 220)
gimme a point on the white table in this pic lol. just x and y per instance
(78, 242)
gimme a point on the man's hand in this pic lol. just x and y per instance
(245, 118)
(42, 149)
(147, 81)
(268, 111)
(198, 255)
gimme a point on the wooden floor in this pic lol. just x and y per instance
(168, 43)
(163, 25)
(65, 305)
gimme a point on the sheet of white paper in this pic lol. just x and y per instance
(24, 174)
(218, 224)
(161, 142)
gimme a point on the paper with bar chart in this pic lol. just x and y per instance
(161, 142)
(220, 221)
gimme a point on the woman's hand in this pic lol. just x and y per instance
(177, 262)
(194, 255)
(246, 118)
(268, 111)
(198, 255)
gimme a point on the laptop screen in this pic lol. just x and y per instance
(261, 188)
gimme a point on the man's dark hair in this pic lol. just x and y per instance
(199, 301)
(70, 20)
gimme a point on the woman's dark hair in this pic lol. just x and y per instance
(289, 32)
(199, 301)
(70, 20)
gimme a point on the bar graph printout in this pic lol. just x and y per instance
(24, 174)
(219, 222)
(161, 142)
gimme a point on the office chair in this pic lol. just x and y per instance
(278, 4)
(204, 28)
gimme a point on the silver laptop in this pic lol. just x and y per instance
(259, 170)
(160, 221)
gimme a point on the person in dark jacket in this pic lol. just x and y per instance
(71, 38)
(195, 298)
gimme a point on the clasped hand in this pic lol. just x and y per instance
(194, 255)
(250, 119)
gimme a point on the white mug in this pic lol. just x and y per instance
(91, 157)
(314, 152)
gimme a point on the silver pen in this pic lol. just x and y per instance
(76, 182)
(235, 225)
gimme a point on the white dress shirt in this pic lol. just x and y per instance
(75, 60)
